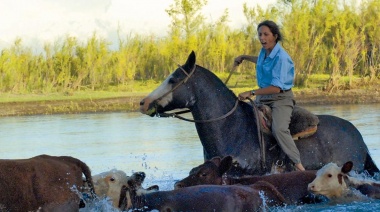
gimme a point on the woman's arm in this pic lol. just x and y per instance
(262, 91)
(238, 60)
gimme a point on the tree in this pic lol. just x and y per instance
(186, 20)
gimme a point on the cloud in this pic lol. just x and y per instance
(40, 21)
(47, 20)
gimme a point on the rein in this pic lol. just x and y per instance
(176, 114)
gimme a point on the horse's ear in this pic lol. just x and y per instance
(347, 167)
(190, 63)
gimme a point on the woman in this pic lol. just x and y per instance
(275, 76)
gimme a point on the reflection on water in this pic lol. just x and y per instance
(165, 148)
(126, 141)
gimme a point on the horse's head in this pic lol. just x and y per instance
(171, 94)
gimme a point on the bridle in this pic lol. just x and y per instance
(179, 84)
(177, 114)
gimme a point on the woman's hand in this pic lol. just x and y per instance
(244, 95)
(238, 60)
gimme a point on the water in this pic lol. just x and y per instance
(164, 148)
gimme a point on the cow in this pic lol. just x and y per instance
(334, 182)
(43, 182)
(107, 184)
(201, 198)
(292, 185)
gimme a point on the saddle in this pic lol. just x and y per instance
(303, 123)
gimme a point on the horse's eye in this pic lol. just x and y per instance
(204, 174)
(112, 179)
(329, 175)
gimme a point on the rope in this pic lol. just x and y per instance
(229, 76)
(260, 135)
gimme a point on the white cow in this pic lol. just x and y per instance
(109, 183)
(334, 182)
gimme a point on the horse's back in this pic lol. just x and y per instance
(340, 131)
(336, 140)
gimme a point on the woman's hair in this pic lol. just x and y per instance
(273, 27)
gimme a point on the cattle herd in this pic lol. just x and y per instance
(63, 183)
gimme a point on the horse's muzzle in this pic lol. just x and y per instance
(147, 108)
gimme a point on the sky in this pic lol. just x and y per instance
(39, 21)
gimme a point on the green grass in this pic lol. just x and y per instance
(238, 83)
(130, 89)
(78, 95)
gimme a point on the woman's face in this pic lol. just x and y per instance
(266, 37)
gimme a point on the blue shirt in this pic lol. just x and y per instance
(277, 69)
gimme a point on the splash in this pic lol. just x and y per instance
(265, 199)
(99, 204)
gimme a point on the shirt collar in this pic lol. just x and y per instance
(274, 51)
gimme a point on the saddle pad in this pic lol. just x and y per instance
(303, 123)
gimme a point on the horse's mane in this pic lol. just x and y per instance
(210, 75)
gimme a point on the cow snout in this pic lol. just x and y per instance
(311, 187)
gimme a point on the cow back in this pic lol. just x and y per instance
(28, 184)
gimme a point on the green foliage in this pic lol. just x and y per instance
(331, 38)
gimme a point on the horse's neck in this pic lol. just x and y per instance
(212, 104)
(216, 112)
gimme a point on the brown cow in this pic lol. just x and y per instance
(334, 182)
(42, 183)
(292, 185)
(201, 198)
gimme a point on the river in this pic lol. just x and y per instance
(164, 148)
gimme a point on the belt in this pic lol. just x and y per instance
(283, 91)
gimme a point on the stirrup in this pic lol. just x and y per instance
(278, 167)
(278, 163)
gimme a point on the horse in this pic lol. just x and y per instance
(227, 126)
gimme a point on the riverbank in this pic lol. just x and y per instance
(131, 103)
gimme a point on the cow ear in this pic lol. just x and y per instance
(340, 179)
(190, 63)
(131, 184)
(225, 165)
(123, 196)
(216, 160)
(347, 167)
